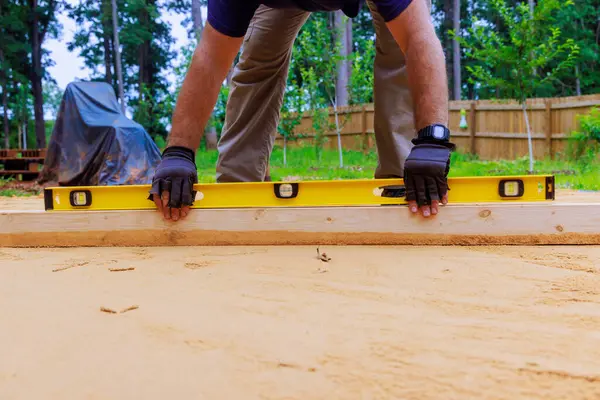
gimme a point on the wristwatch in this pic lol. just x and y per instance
(434, 133)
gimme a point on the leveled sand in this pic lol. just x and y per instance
(276, 323)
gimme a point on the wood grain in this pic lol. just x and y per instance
(539, 223)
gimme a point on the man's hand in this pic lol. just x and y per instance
(173, 183)
(426, 177)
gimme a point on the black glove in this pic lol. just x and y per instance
(177, 175)
(426, 171)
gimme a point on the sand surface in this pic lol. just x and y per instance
(277, 323)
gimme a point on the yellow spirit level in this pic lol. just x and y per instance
(360, 192)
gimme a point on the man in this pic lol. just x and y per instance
(410, 96)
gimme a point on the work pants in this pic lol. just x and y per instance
(257, 89)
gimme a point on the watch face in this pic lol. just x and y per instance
(439, 132)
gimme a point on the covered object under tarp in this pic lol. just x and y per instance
(93, 143)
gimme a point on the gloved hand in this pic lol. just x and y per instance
(426, 176)
(172, 185)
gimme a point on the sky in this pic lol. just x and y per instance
(70, 67)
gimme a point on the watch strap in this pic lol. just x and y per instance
(427, 133)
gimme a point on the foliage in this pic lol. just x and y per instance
(52, 98)
(581, 22)
(147, 56)
(531, 45)
(301, 165)
(584, 144)
(362, 80)
(526, 53)
(290, 115)
(319, 54)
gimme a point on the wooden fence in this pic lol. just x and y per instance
(496, 129)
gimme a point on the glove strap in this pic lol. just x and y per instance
(180, 151)
(449, 145)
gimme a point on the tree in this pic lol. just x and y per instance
(531, 46)
(144, 41)
(42, 20)
(318, 52)
(457, 82)
(94, 37)
(343, 29)
(197, 22)
(14, 57)
(116, 51)
(291, 113)
(581, 22)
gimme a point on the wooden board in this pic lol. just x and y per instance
(507, 224)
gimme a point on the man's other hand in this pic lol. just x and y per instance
(426, 177)
(173, 183)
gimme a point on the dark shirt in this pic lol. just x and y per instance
(232, 17)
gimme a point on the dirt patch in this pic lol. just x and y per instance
(260, 322)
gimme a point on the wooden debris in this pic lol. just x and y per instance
(107, 310)
(135, 307)
(81, 264)
(322, 256)
(121, 269)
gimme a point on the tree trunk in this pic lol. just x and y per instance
(4, 84)
(146, 70)
(106, 42)
(117, 54)
(531, 10)
(341, 82)
(36, 77)
(529, 142)
(577, 81)
(457, 82)
(25, 129)
(350, 46)
(5, 112)
(445, 39)
(197, 23)
(339, 135)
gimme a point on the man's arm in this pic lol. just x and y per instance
(427, 165)
(172, 185)
(210, 64)
(425, 63)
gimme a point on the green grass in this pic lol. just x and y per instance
(14, 192)
(11, 192)
(302, 163)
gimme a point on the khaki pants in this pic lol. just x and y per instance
(258, 85)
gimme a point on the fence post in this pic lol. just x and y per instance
(473, 126)
(364, 129)
(549, 128)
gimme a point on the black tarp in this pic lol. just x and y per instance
(93, 143)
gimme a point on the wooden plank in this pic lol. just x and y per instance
(549, 128)
(509, 135)
(473, 127)
(576, 104)
(509, 107)
(485, 224)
